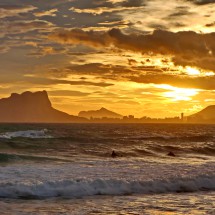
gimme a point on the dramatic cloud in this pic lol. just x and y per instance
(202, 2)
(186, 47)
(51, 12)
(18, 27)
(100, 10)
(78, 36)
(106, 7)
(129, 54)
(14, 10)
(25, 26)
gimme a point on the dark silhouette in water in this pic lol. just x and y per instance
(114, 154)
(171, 154)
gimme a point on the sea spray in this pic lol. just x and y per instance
(81, 187)
(34, 134)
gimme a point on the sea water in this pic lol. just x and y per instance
(68, 169)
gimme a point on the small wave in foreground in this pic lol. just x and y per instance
(81, 188)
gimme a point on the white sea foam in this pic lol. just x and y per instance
(81, 188)
(34, 134)
(84, 178)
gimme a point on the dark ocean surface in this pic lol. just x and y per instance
(68, 169)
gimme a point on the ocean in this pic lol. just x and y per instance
(68, 169)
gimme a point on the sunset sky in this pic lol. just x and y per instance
(143, 57)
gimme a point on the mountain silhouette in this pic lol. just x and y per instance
(101, 113)
(32, 107)
(36, 108)
(207, 114)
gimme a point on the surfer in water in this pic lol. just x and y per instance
(114, 154)
(171, 154)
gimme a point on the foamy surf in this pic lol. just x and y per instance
(81, 188)
(33, 134)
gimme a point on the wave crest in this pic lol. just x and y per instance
(33, 134)
(80, 188)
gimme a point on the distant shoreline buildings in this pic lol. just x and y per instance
(36, 107)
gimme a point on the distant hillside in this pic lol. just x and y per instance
(32, 107)
(102, 113)
(207, 114)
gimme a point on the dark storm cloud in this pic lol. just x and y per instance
(132, 3)
(189, 48)
(78, 36)
(186, 47)
(202, 2)
(99, 7)
(165, 42)
(86, 4)
(203, 62)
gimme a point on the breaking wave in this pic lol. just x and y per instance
(80, 188)
(34, 134)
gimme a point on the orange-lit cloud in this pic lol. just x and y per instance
(120, 54)
(7, 10)
(186, 48)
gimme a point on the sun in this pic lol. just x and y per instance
(178, 94)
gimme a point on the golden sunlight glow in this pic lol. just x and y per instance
(192, 71)
(196, 72)
(209, 74)
(178, 94)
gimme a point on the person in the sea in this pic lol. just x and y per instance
(114, 154)
(171, 154)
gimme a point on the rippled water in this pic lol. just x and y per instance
(68, 169)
